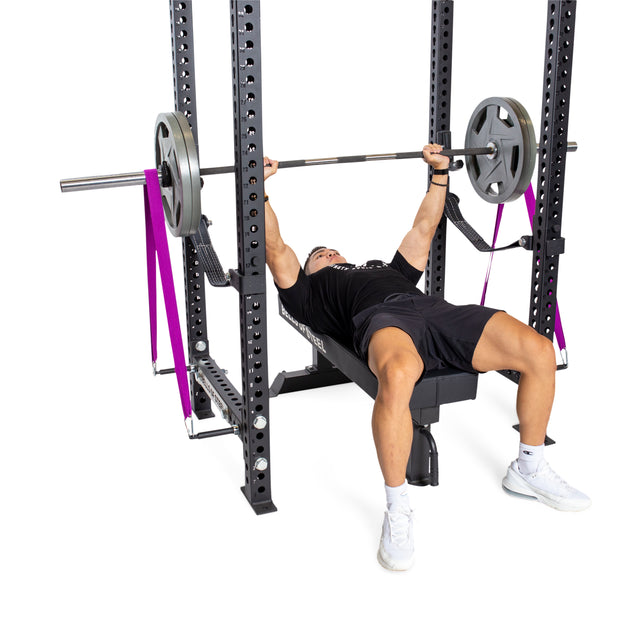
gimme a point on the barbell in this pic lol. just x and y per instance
(500, 151)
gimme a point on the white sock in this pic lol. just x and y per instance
(397, 497)
(530, 457)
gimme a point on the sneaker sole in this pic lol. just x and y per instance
(389, 567)
(514, 486)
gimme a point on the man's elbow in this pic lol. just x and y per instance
(275, 250)
(426, 230)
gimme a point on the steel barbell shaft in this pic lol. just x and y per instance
(289, 164)
(130, 179)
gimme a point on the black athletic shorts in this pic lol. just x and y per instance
(444, 334)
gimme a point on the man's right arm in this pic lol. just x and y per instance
(416, 244)
(281, 259)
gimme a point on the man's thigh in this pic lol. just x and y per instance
(505, 343)
(392, 351)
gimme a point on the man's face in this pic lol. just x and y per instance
(323, 258)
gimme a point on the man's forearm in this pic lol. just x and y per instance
(432, 206)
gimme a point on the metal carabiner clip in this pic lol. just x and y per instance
(565, 357)
(188, 423)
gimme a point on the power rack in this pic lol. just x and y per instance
(250, 408)
(247, 410)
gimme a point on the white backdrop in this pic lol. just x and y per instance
(114, 524)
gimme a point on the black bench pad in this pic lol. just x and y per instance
(434, 389)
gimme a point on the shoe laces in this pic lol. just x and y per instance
(399, 528)
(545, 471)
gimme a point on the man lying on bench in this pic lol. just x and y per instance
(401, 332)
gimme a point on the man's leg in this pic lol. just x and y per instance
(397, 365)
(507, 343)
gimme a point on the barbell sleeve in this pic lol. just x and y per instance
(131, 179)
(103, 182)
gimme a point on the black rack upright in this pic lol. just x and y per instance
(554, 125)
(439, 126)
(248, 410)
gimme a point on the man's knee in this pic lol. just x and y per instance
(394, 359)
(538, 353)
(396, 381)
(399, 372)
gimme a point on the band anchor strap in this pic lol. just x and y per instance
(453, 213)
(207, 255)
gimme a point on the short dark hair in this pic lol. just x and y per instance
(306, 262)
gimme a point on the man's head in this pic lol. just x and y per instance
(320, 257)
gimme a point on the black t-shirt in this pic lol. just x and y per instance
(327, 300)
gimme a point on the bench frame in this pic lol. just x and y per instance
(333, 363)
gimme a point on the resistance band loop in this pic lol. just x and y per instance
(530, 200)
(151, 281)
(157, 245)
(493, 244)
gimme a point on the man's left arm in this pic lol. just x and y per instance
(416, 244)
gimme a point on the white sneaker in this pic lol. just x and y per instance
(396, 542)
(544, 485)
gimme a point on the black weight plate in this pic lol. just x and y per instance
(176, 152)
(505, 124)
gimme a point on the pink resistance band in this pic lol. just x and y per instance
(157, 245)
(530, 200)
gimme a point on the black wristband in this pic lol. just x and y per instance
(438, 184)
(440, 172)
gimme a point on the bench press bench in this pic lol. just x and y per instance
(333, 363)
